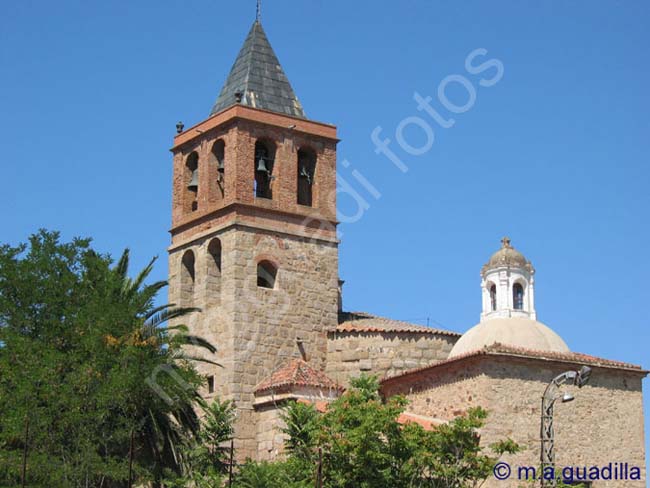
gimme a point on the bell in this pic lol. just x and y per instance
(194, 182)
(221, 167)
(304, 173)
(261, 166)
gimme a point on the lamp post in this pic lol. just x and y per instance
(551, 395)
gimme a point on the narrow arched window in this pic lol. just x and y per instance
(266, 274)
(306, 173)
(214, 249)
(218, 156)
(213, 275)
(493, 297)
(264, 163)
(192, 182)
(518, 296)
(187, 278)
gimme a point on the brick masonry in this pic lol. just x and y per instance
(255, 329)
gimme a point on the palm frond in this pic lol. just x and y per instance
(198, 359)
(139, 280)
(192, 340)
(169, 314)
(122, 267)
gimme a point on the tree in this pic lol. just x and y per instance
(209, 455)
(85, 359)
(363, 444)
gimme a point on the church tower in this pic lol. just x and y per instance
(254, 241)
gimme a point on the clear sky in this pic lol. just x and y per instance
(554, 154)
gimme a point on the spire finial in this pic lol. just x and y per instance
(506, 242)
(259, 11)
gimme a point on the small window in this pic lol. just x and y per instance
(518, 296)
(210, 384)
(493, 297)
(266, 274)
(306, 172)
(264, 163)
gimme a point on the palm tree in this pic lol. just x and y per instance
(165, 421)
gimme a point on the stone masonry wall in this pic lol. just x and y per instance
(350, 354)
(256, 329)
(269, 433)
(603, 424)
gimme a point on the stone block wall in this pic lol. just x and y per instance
(256, 329)
(384, 354)
(270, 439)
(603, 424)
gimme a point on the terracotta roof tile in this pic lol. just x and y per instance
(427, 423)
(297, 373)
(498, 349)
(365, 322)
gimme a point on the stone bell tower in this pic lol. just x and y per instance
(254, 231)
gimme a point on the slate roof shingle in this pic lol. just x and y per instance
(258, 76)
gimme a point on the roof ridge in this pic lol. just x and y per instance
(297, 372)
(497, 348)
(347, 322)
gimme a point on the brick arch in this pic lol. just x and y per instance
(274, 260)
(307, 165)
(191, 166)
(264, 154)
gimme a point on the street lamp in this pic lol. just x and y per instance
(551, 395)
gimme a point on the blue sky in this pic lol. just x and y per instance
(555, 154)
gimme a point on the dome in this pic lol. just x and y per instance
(507, 256)
(512, 331)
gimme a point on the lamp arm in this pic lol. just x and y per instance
(558, 381)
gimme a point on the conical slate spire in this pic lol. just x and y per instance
(257, 80)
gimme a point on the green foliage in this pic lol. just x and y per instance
(364, 446)
(84, 360)
(270, 475)
(301, 425)
(209, 455)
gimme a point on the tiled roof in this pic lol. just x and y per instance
(498, 349)
(297, 373)
(258, 79)
(365, 322)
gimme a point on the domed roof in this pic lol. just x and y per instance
(507, 256)
(512, 331)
